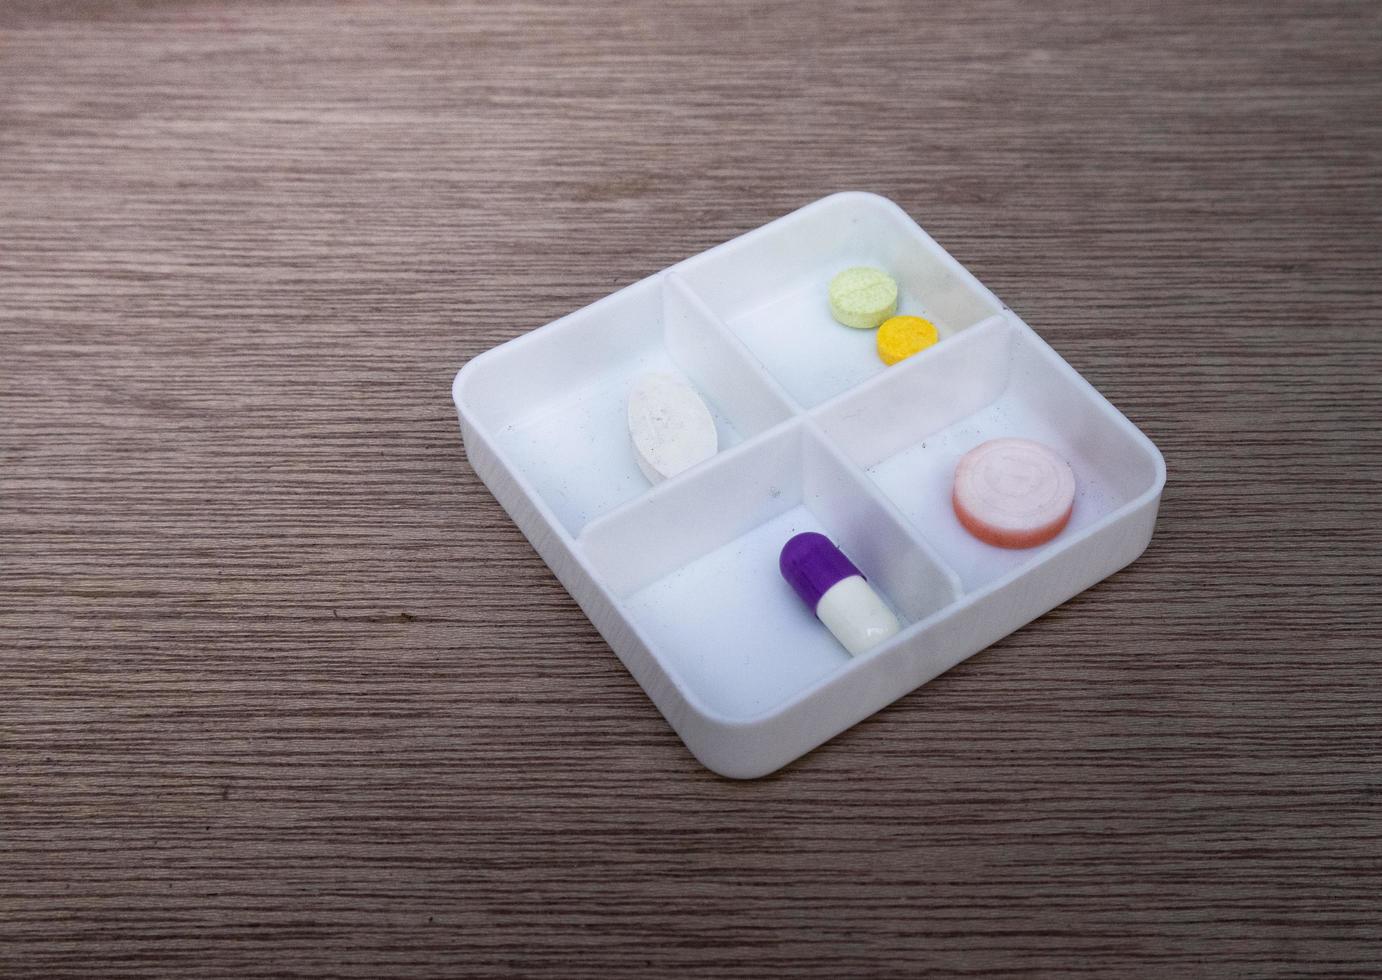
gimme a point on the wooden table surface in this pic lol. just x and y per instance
(283, 692)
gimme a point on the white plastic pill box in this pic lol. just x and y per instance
(816, 433)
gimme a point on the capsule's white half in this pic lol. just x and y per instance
(857, 617)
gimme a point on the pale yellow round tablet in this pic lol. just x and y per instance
(862, 297)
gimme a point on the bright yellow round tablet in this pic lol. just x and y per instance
(862, 297)
(902, 336)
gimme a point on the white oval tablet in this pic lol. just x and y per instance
(672, 430)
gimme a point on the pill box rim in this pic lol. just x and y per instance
(962, 601)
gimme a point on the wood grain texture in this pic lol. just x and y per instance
(283, 693)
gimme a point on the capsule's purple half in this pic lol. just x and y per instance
(811, 564)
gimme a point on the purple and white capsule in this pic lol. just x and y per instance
(836, 592)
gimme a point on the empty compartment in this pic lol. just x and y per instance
(771, 287)
(694, 567)
(910, 428)
(555, 401)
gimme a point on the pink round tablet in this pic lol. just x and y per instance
(1013, 493)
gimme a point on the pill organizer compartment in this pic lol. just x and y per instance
(769, 286)
(694, 566)
(556, 400)
(910, 427)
